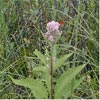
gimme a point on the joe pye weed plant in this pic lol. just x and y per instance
(43, 81)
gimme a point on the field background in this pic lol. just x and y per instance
(21, 25)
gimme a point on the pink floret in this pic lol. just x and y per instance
(52, 30)
(52, 26)
(50, 38)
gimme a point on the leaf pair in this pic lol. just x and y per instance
(64, 85)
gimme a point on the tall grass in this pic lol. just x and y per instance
(22, 23)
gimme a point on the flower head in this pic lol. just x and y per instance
(52, 30)
(52, 26)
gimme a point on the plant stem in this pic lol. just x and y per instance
(51, 72)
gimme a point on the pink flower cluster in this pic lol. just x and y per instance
(52, 30)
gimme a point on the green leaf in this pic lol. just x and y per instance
(65, 79)
(61, 61)
(36, 86)
(73, 84)
(41, 69)
(46, 77)
(40, 56)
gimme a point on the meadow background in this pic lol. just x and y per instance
(22, 23)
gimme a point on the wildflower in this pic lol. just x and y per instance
(52, 31)
(52, 26)
(50, 38)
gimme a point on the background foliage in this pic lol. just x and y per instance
(21, 25)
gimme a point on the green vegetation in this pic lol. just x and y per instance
(25, 54)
